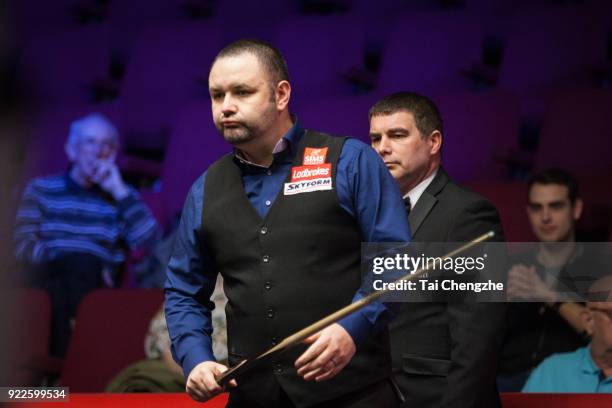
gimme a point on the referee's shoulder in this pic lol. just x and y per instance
(466, 196)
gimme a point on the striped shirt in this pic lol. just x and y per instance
(57, 216)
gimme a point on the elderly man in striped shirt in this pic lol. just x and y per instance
(73, 229)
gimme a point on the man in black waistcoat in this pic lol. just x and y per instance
(444, 353)
(282, 219)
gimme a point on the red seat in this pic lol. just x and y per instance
(109, 335)
(576, 133)
(167, 69)
(510, 199)
(420, 56)
(29, 344)
(126, 22)
(597, 213)
(563, 400)
(542, 48)
(480, 134)
(64, 66)
(509, 400)
(195, 144)
(350, 116)
(336, 43)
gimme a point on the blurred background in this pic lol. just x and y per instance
(521, 85)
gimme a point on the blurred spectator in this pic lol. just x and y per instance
(545, 323)
(588, 369)
(219, 337)
(159, 372)
(151, 271)
(72, 229)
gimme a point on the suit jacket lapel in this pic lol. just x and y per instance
(427, 201)
(421, 209)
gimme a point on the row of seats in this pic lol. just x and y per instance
(120, 14)
(438, 44)
(109, 334)
(509, 400)
(480, 130)
(167, 64)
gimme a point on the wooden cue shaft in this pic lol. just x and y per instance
(308, 331)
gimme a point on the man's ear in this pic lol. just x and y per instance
(435, 140)
(577, 211)
(587, 318)
(282, 94)
(113, 156)
(70, 150)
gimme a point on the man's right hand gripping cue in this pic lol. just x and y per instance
(202, 384)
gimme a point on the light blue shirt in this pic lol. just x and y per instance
(569, 372)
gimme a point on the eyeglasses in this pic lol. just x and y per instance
(92, 143)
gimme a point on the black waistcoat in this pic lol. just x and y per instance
(282, 273)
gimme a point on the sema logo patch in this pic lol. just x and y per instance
(314, 155)
(305, 179)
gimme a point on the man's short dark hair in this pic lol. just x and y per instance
(426, 114)
(556, 176)
(268, 55)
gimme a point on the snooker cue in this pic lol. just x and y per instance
(299, 336)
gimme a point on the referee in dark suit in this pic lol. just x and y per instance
(444, 353)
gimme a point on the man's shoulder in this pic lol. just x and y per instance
(50, 183)
(197, 187)
(356, 144)
(560, 366)
(352, 148)
(349, 141)
(561, 361)
(462, 212)
(462, 196)
(557, 373)
(222, 164)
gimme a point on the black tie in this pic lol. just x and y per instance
(407, 204)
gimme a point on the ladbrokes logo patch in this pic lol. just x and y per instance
(314, 155)
(310, 172)
(305, 179)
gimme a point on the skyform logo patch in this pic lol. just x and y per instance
(308, 186)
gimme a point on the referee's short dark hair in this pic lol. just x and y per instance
(556, 176)
(426, 114)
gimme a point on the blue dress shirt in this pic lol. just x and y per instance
(366, 190)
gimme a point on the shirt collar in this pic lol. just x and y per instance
(418, 190)
(285, 144)
(578, 252)
(587, 365)
(72, 185)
